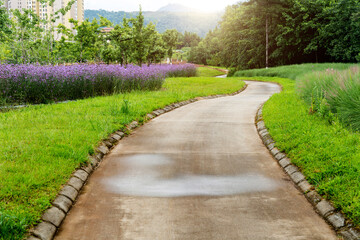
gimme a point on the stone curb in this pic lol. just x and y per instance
(53, 217)
(324, 208)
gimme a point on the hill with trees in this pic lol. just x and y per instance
(197, 22)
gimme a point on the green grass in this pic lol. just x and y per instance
(40, 146)
(328, 155)
(217, 67)
(291, 71)
(208, 72)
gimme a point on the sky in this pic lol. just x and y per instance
(153, 5)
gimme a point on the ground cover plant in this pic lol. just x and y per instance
(40, 146)
(333, 94)
(327, 154)
(21, 84)
(208, 72)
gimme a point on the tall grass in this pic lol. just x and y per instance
(333, 94)
(11, 227)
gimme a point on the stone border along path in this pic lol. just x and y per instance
(54, 216)
(324, 208)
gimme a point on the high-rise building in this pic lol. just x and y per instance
(43, 10)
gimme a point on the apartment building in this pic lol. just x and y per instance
(43, 10)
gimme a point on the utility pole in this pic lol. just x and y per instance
(267, 41)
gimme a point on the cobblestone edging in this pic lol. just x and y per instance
(53, 217)
(324, 208)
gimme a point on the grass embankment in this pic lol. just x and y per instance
(291, 71)
(40, 146)
(217, 67)
(208, 72)
(328, 154)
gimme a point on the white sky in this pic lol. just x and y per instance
(153, 5)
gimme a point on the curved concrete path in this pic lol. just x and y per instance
(198, 172)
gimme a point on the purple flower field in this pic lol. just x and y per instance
(31, 84)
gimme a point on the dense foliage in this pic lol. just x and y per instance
(333, 94)
(42, 84)
(27, 38)
(261, 33)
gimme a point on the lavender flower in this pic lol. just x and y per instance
(43, 84)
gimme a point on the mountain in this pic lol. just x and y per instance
(196, 22)
(175, 8)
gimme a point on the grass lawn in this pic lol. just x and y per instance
(208, 72)
(40, 146)
(217, 67)
(328, 155)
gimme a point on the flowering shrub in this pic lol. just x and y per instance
(183, 70)
(43, 84)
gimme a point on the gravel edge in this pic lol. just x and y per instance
(324, 208)
(66, 198)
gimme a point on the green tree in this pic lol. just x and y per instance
(341, 33)
(199, 54)
(138, 39)
(120, 40)
(191, 39)
(25, 34)
(4, 24)
(65, 48)
(262, 33)
(208, 51)
(48, 24)
(156, 50)
(299, 39)
(87, 35)
(170, 38)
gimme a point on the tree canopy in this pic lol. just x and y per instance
(28, 39)
(287, 31)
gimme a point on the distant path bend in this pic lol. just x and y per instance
(198, 172)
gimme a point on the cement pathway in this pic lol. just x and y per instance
(198, 172)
